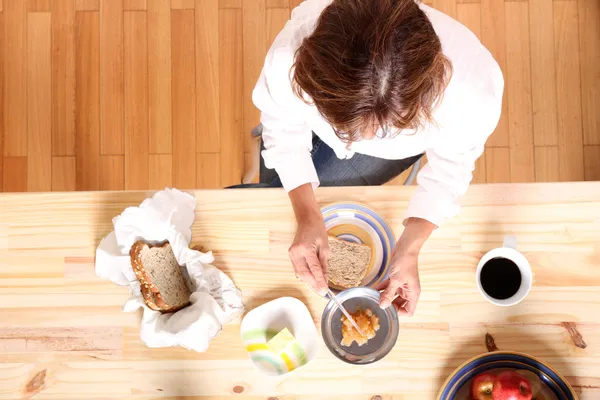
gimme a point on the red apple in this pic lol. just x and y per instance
(482, 386)
(511, 386)
(534, 381)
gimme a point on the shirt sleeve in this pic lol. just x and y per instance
(451, 159)
(287, 139)
(286, 135)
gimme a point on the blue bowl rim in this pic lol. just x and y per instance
(330, 207)
(454, 373)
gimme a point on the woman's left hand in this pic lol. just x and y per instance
(403, 287)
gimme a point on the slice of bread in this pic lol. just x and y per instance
(347, 263)
(162, 284)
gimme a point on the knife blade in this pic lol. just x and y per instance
(346, 313)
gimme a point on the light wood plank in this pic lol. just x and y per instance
(87, 100)
(497, 165)
(184, 100)
(231, 85)
(35, 343)
(15, 78)
(39, 5)
(469, 14)
(532, 308)
(493, 36)
(111, 78)
(63, 78)
(135, 5)
(39, 114)
(182, 4)
(159, 76)
(50, 255)
(546, 164)
(207, 76)
(568, 84)
(136, 100)
(224, 4)
(112, 173)
(404, 396)
(592, 162)
(87, 5)
(209, 173)
(518, 91)
(480, 172)
(253, 53)
(276, 20)
(160, 171)
(63, 174)
(14, 174)
(543, 73)
(448, 7)
(589, 50)
(1, 6)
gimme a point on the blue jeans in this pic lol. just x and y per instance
(360, 170)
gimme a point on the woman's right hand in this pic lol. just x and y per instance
(310, 248)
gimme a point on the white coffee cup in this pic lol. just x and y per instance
(508, 251)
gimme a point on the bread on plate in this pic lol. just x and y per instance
(347, 263)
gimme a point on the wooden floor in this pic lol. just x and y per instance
(138, 94)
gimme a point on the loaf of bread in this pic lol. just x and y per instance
(162, 283)
(347, 263)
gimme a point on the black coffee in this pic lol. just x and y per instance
(500, 278)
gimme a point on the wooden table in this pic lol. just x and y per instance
(62, 330)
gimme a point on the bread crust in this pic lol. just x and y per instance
(150, 292)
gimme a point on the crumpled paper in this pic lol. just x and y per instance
(215, 300)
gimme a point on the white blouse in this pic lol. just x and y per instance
(467, 115)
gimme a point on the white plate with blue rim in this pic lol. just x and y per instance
(358, 223)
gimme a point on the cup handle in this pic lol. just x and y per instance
(510, 242)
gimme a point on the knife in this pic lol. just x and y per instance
(346, 313)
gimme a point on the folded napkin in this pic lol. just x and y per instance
(215, 300)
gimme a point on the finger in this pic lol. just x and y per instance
(307, 277)
(314, 265)
(302, 270)
(402, 311)
(411, 306)
(400, 302)
(407, 309)
(382, 285)
(388, 295)
(323, 256)
(400, 305)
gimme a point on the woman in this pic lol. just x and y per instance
(352, 93)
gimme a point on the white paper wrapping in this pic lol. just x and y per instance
(215, 300)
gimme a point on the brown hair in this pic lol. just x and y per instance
(372, 63)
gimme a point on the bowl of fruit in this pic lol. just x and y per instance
(503, 375)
